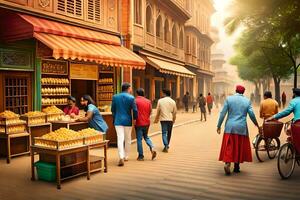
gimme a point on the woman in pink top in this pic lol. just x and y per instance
(71, 109)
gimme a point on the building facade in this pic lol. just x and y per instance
(54, 48)
(175, 45)
(198, 44)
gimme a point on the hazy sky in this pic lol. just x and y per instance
(226, 42)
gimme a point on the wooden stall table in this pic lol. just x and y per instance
(76, 126)
(16, 144)
(38, 130)
(83, 163)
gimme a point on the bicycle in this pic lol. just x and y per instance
(289, 153)
(268, 141)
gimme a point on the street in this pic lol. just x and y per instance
(190, 170)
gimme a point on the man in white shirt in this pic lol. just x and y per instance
(166, 114)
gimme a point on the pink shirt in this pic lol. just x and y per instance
(69, 111)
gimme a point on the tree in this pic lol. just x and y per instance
(267, 18)
(258, 60)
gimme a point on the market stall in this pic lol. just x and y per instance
(65, 154)
(14, 138)
(37, 124)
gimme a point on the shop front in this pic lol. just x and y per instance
(162, 73)
(64, 60)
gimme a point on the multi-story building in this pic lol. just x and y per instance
(198, 46)
(158, 35)
(50, 49)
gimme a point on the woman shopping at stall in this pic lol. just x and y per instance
(93, 116)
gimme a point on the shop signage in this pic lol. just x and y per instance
(54, 67)
(83, 71)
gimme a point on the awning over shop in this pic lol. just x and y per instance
(72, 48)
(169, 67)
(71, 42)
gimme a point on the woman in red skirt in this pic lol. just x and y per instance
(236, 145)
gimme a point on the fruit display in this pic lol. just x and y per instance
(13, 129)
(106, 88)
(53, 113)
(91, 135)
(52, 101)
(55, 81)
(34, 117)
(106, 80)
(55, 91)
(65, 138)
(8, 114)
(106, 95)
(52, 110)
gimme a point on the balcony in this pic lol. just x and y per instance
(174, 50)
(150, 39)
(167, 47)
(159, 43)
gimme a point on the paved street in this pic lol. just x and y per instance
(189, 171)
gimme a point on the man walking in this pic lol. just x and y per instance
(202, 104)
(142, 124)
(123, 107)
(185, 101)
(209, 101)
(166, 114)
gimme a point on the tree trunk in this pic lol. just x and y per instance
(295, 77)
(277, 89)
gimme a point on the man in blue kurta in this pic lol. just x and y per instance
(236, 145)
(123, 108)
(294, 107)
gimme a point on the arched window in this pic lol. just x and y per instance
(181, 39)
(174, 36)
(159, 31)
(167, 31)
(149, 20)
(138, 12)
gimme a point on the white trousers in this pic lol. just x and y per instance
(124, 136)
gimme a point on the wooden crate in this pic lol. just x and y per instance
(34, 120)
(51, 117)
(59, 145)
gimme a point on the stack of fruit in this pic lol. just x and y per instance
(53, 113)
(34, 117)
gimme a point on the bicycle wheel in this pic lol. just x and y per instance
(273, 147)
(261, 149)
(286, 160)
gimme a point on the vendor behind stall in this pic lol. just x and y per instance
(71, 109)
(93, 116)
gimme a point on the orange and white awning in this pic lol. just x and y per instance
(106, 54)
(169, 67)
(75, 43)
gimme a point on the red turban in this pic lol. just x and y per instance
(240, 89)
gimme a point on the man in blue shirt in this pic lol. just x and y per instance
(294, 107)
(123, 110)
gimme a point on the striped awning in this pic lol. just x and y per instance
(71, 42)
(169, 67)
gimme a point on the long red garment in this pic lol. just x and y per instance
(235, 148)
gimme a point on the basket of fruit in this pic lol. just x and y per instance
(34, 117)
(60, 139)
(53, 113)
(91, 136)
